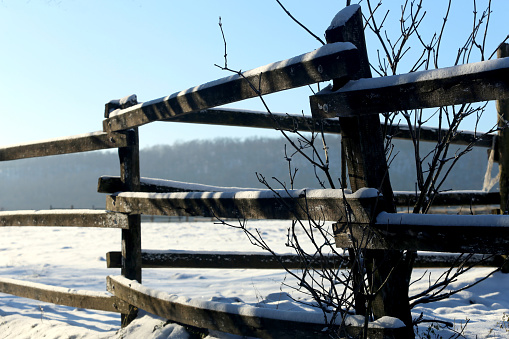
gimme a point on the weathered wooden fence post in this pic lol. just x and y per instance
(130, 176)
(503, 141)
(503, 148)
(131, 238)
(367, 167)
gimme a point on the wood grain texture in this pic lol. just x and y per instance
(245, 118)
(363, 143)
(254, 119)
(155, 259)
(455, 198)
(226, 205)
(492, 239)
(129, 158)
(73, 144)
(62, 296)
(502, 107)
(71, 218)
(284, 75)
(244, 325)
(447, 88)
(177, 259)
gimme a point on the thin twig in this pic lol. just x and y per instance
(300, 24)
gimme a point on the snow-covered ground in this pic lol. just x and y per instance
(75, 258)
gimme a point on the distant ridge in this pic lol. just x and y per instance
(62, 181)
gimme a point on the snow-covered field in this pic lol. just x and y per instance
(75, 258)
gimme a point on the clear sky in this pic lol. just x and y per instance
(61, 61)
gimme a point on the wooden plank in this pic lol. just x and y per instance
(258, 119)
(63, 296)
(323, 64)
(72, 218)
(230, 318)
(451, 198)
(318, 204)
(481, 81)
(113, 184)
(447, 260)
(226, 260)
(73, 144)
(488, 234)
(432, 134)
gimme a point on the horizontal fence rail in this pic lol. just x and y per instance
(450, 198)
(291, 122)
(235, 319)
(73, 144)
(427, 232)
(72, 218)
(259, 119)
(319, 65)
(63, 296)
(113, 184)
(228, 260)
(481, 81)
(295, 204)
(431, 134)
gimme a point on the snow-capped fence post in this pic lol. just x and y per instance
(367, 167)
(129, 157)
(503, 141)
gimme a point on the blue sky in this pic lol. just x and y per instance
(61, 61)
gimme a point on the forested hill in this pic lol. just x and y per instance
(62, 181)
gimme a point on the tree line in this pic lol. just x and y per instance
(71, 180)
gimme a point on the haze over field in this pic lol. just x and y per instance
(62, 181)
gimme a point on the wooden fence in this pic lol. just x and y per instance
(344, 57)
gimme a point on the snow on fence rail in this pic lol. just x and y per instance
(241, 320)
(480, 81)
(323, 204)
(113, 184)
(325, 63)
(488, 234)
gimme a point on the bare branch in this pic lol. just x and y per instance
(299, 23)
